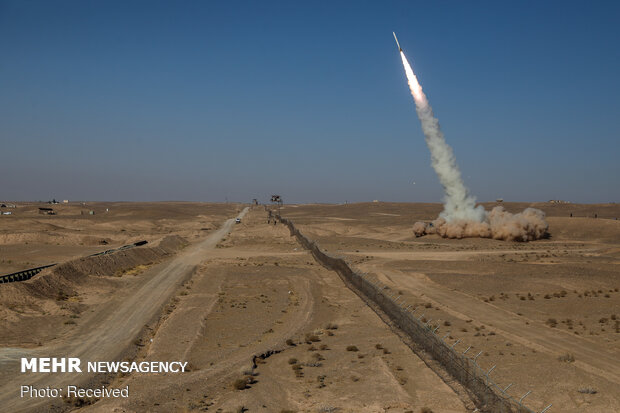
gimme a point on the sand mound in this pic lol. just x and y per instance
(63, 280)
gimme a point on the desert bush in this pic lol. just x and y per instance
(79, 401)
(290, 342)
(331, 326)
(567, 358)
(378, 346)
(240, 384)
(425, 410)
(292, 360)
(312, 338)
(447, 323)
(587, 390)
(552, 322)
(352, 348)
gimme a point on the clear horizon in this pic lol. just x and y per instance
(200, 101)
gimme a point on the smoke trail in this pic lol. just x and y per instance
(461, 217)
(458, 203)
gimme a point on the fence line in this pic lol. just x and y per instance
(488, 395)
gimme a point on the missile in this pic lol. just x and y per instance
(395, 38)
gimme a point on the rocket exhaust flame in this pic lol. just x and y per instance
(461, 217)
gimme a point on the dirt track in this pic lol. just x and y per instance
(105, 335)
(259, 291)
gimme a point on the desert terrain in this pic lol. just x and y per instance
(544, 312)
(264, 327)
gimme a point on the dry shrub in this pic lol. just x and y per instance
(240, 384)
(352, 348)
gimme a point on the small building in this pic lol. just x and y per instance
(65, 201)
(46, 211)
(7, 205)
(7, 213)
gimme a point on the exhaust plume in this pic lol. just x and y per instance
(461, 217)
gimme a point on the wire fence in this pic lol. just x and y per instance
(488, 395)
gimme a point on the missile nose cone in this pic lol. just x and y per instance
(397, 44)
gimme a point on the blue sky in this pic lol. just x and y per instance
(207, 101)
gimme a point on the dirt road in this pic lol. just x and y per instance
(105, 335)
(323, 349)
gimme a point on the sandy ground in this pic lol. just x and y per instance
(524, 306)
(102, 329)
(265, 328)
(28, 239)
(259, 292)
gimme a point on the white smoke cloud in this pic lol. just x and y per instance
(461, 217)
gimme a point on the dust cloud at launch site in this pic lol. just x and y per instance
(461, 217)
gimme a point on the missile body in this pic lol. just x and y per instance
(395, 38)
